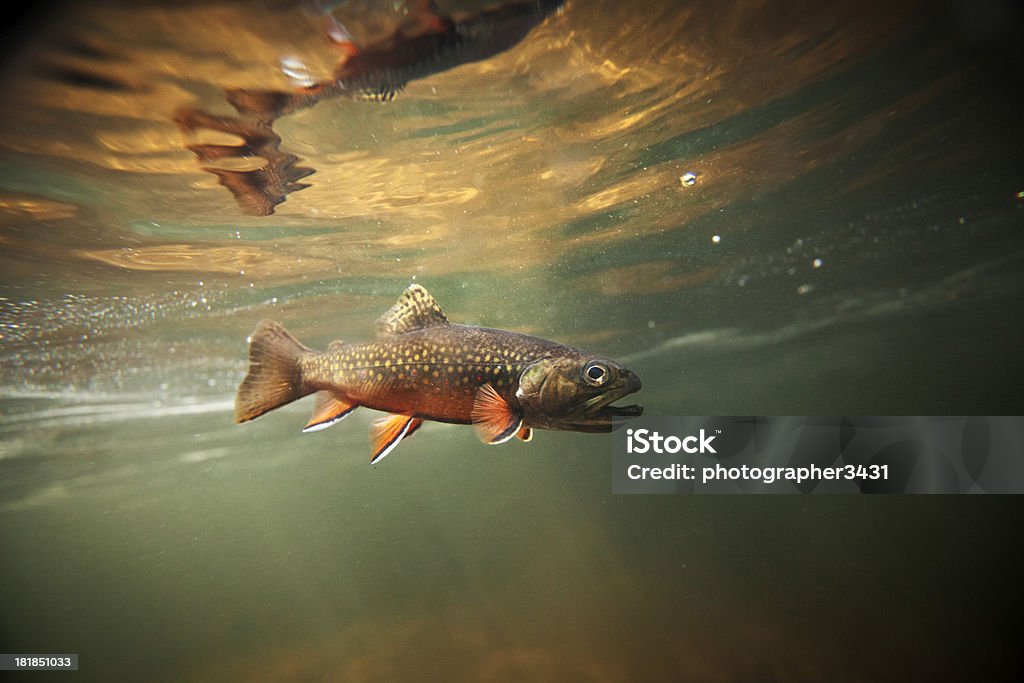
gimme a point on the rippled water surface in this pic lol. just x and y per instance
(806, 208)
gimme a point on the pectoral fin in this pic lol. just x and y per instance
(495, 420)
(329, 409)
(386, 432)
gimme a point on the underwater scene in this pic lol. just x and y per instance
(212, 211)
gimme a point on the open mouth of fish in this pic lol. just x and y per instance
(597, 413)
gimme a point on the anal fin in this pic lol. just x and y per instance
(329, 409)
(524, 434)
(495, 420)
(388, 431)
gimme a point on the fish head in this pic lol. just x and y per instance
(575, 393)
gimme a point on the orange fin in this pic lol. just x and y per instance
(495, 420)
(386, 432)
(329, 408)
(524, 434)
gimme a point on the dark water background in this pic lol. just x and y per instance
(852, 245)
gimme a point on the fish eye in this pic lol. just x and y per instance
(595, 373)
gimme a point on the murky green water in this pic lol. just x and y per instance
(851, 243)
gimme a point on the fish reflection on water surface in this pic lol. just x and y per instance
(422, 367)
(433, 42)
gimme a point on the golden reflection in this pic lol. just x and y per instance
(182, 257)
(585, 122)
(570, 172)
(16, 208)
(779, 155)
(632, 188)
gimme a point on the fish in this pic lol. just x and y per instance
(434, 42)
(422, 367)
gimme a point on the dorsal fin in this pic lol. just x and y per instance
(414, 310)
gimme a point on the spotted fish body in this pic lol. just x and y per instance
(422, 367)
(434, 374)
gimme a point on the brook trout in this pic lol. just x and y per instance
(433, 43)
(436, 42)
(422, 367)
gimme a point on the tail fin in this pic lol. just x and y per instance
(274, 377)
(259, 190)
